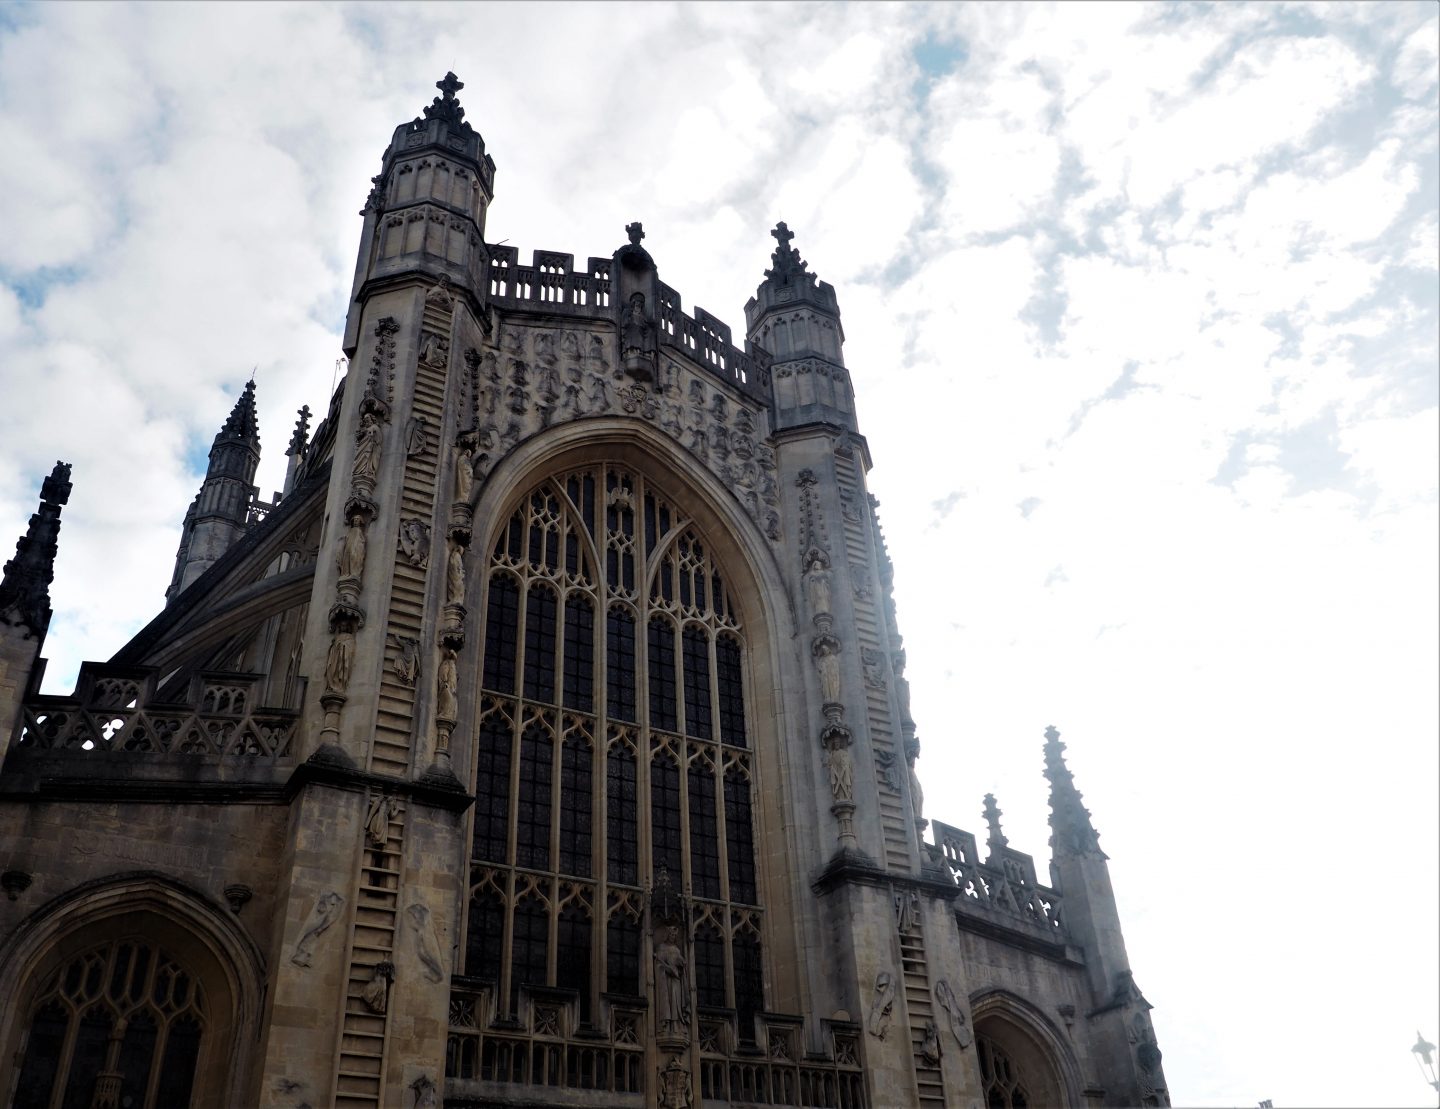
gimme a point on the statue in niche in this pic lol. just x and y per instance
(817, 580)
(427, 947)
(407, 660)
(338, 661)
(434, 350)
(377, 820)
(324, 914)
(352, 551)
(954, 1014)
(672, 996)
(464, 474)
(367, 448)
(841, 765)
(415, 542)
(376, 993)
(455, 576)
(917, 795)
(417, 436)
(826, 649)
(930, 1045)
(637, 339)
(882, 1005)
(447, 685)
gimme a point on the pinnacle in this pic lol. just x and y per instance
(243, 422)
(786, 260)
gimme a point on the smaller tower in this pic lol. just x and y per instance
(217, 517)
(296, 451)
(25, 600)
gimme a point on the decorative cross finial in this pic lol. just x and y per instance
(1052, 733)
(450, 85)
(783, 235)
(788, 265)
(635, 231)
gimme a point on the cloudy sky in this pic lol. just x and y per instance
(1141, 312)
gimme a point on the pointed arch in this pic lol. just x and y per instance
(1024, 1058)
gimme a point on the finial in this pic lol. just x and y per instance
(788, 265)
(1072, 833)
(302, 432)
(243, 423)
(449, 85)
(997, 839)
(445, 106)
(635, 231)
(25, 585)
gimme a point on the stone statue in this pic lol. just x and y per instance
(464, 474)
(338, 661)
(674, 1092)
(930, 1045)
(882, 1005)
(447, 682)
(917, 795)
(427, 948)
(377, 991)
(455, 576)
(367, 448)
(827, 658)
(377, 821)
(417, 435)
(637, 338)
(841, 765)
(415, 542)
(407, 662)
(352, 553)
(672, 998)
(954, 1014)
(324, 914)
(817, 580)
(427, 1095)
(434, 349)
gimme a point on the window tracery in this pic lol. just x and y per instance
(659, 679)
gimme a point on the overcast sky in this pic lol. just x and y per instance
(1140, 307)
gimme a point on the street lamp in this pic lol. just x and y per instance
(1425, 1060)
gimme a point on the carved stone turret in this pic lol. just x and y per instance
(218, 515)
(795, 316)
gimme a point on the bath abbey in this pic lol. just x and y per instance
(544, 742)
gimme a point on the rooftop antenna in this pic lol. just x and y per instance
(335, 376)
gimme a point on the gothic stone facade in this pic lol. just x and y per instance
(546, 741)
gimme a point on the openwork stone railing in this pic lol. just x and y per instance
(542, 1048)
(551, 282)
(546, 1047)
(1008, 894)
(115, 709)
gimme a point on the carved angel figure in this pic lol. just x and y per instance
(377, 991)
(324, 914)
(841, 765)
(377, 821)
(407, 661)
(882, 1005)
(415, 542)
(416, 435)
(427, 948)
(954, 1014)
(930, 1045)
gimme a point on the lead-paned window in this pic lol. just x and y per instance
(492, 790)
(501, 634)
(540, 644)
(579, 653)
(575, 799)
(704, 832)
(695, 649)
(532, 825)
(662, 675)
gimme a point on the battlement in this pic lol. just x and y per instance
(1008, 894)
(551, 283)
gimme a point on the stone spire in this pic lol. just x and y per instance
(1071, 832)
(789, 267)
(25, 588)
(218, 515)
(997, 841)
(295, 452)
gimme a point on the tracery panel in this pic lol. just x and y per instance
(610, 749)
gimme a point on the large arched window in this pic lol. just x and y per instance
(1020, 1064)
(118, 1024)
(611, 751)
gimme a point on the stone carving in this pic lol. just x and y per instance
(545, 347)
(427, 947)
(434, 350)
(826, 649)
(322, 916)
(407, 660)
(427, 1094)
(417, 436)
(930, 1045)
(637, 340)
(352, 552)
(873, 663)
(817, 581)
(367, 449)
(377, 820)
(447, 684)
(882, 1005)
(954, 1014)
(339, 660)
(840, 763)
(917, 795)
(415, 542)
(674, 1092)
(672, 996)
(889, 768)
(455, 576)
(907, 911)
(237, 895)
(439, 294)
(376, 992)
(464, 474)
